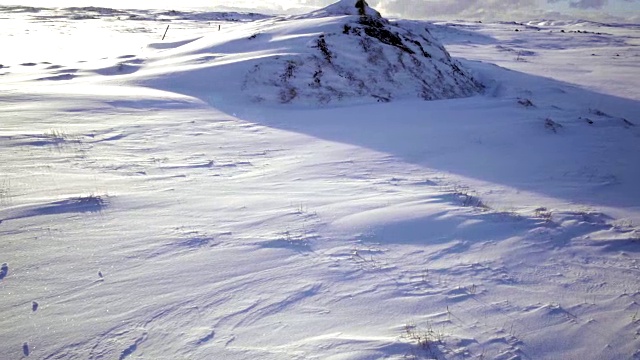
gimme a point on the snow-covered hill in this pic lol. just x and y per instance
(332, 55)
(151, 208)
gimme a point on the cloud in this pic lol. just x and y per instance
(492, 9)
(588, 4)
(466, 8)
(444, 8)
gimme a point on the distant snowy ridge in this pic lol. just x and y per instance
(93, 12)
(579, 22)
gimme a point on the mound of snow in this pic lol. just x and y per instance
(361, 57)
(313, 59)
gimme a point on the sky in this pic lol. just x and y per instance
(610, 10)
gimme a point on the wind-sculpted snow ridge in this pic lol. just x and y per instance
(359, 57)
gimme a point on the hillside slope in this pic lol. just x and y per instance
(322, 57)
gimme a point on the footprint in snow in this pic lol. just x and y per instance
(4, 270)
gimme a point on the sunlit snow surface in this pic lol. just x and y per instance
(150, 210)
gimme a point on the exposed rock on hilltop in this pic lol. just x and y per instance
(347, 7)
(360, 56)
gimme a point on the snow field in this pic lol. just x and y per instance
(180, 220)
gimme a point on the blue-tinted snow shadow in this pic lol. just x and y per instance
(84, 204)
(446, 228)
(491, 137)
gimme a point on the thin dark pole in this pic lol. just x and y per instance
(165, 32)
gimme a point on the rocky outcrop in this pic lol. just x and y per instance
(361, 57)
